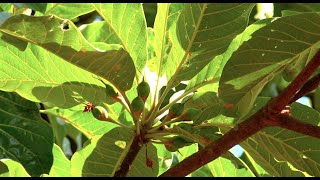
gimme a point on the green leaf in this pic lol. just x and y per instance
(15, 169)
(64, 39)
(303, 7)
(62, 10)
(271, 49)
(202, 32)
(34, 6)
(214, 69)
(273, 147)
(85, 122)
(103, 155)
(24, 136)
(267, 161)
(61, 166)
(164, 157)
(128, 23)
(8, 7)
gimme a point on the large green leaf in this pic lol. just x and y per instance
(202, 32)
(61, 166)
(103, 155)
(40, 76)
(24, 136)
(214, 69)
(164, 157)
(11, 168)
(128, 23)
(273, 147)
(286, 40)
(64, 39)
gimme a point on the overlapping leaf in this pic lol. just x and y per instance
(214, 69)
(103, 156)
(64, 39)
(286, 40)
(61, 165)
(128, 24)
(24, 136)
(202, 32)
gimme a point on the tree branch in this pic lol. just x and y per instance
(283, 99)
(265, 117)
(134, 149)
(293, 124)
(309, 86)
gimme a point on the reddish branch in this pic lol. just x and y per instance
(270, 115)
(309, 86)
(134, 149)
(296, 125)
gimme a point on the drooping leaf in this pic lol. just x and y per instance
(213, 70)
(24, 136)
(202, 32)
(14, 169)
(103, 156)
(61, 37)
(271, 49)
(61, 166)
(128, 23)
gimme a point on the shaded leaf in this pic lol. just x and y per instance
(24, 136)
(15, 169)
(64, 39)
(209, 104)
(271, 49)
(103, 155)
(127, 22)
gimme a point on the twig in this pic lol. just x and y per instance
(296, 125)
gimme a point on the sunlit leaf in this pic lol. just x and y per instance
(64, 39)
(128, 24)
(61, 165)
(14, 169)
